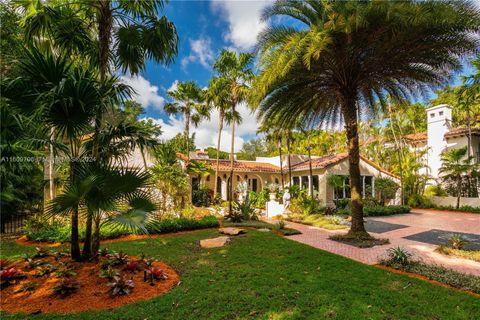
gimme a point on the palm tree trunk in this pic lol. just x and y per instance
(459, 191)
(105, 23)
(142, 151)
(187, 133)
(87, 246)
(281, 162)
(232, 149)
(220, 128)
(96, 233)
(310, 184)
(289, 161)
(351, 126)
(74, 241)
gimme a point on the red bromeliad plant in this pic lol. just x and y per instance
(158, 273)
(7, 275)
(4, 263)
(132, 265)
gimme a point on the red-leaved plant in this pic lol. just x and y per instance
(7, 275)
(158, 273)
(132, 265)
(4, 263)
(66, 286)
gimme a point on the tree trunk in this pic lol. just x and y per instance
(232, 155)
(74, 241)
(105, 23)
(187, 133)
(459, 191)
(87, 246)
(142, 151)
(96, 233)
(220, 128)
(351, 126)
(310, 184)
(281, 162)
(289, 162)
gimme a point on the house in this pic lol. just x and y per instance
(266, 170)
(441, 136)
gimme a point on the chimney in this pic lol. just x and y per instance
(439, 122)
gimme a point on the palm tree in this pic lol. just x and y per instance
(343, 56)
(456, 163)
(237, 73)
(188, 100)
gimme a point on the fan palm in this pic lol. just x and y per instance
(341, 57)
(188, 99)
(456, 163)
(236, 71)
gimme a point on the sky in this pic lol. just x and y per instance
(204, 29)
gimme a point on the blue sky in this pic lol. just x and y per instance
(204, 28)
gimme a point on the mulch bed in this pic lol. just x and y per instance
(93, 293)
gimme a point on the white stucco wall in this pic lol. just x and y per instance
(439, 121)
(452, 201)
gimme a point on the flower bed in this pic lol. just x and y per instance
(50, 282)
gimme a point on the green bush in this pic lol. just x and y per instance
(62, 232)
(377, 211)
(385, 211)
(419, 201)
(461, 209)
(306, 205)
(181, 224)
(259, 199)
(201, 197)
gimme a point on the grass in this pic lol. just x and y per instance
(460, 253)
(318, 220)
(265, 276)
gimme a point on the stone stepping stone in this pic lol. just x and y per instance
(231, 231)
(214, 242)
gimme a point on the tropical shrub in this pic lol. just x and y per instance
(259, 199)
(242, 211)
(157, 273)
(28, 287)
(66, 286)
(108, 273)
(118, 258)
(306, 205)
(419, 201)
(201, 197)
(398, 256)
(121, 285)
(385, 189)
(457, 241)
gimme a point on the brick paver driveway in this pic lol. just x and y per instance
(420, 220)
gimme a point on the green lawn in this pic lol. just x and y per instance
(264, 276)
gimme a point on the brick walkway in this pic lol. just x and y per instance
(419, 221)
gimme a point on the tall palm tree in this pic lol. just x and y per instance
(236, 71)
(217, 96)
(188, 99)
(456, 163)
(340, 57)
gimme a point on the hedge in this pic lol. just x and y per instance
(61, 232)
(377, 211)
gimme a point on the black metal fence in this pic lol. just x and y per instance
(13, 223)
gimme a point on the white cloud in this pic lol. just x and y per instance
(244, 21)
(201, 52)
(146, 93)
(174, 86)
(207, 132)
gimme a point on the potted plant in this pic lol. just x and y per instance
(273, 188)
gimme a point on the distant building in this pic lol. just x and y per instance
(441, 136)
